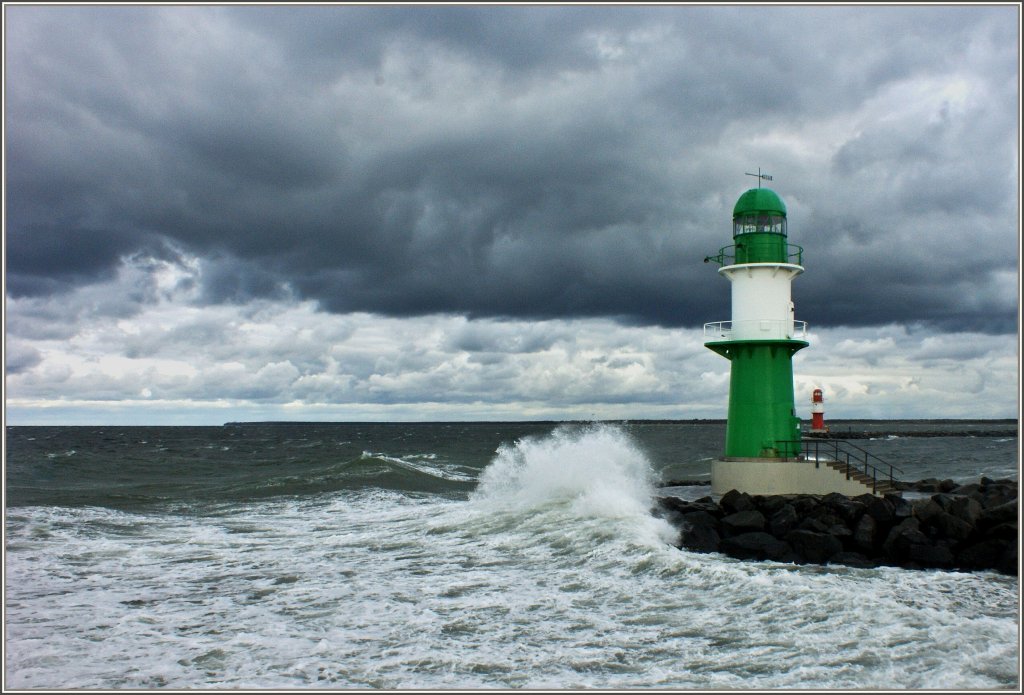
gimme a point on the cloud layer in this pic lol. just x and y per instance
(158, 354)
(521, 162)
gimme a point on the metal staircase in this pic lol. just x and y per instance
(840, 455)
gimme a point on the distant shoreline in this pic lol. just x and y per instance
(629, 421)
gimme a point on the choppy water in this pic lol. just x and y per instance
(450, 556)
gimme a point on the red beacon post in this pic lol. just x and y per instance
(818, 412)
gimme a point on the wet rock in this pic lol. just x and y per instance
(702, 518)
(950, 526)
(812, 546)
(865, 533)
(701, 539)
(968, 527)
(783, 521)
(743, 522)
(1004, 531)
(901, 508)
(770, 504)
(905, 534)
(813, 525)
(966, 509)
(995, 495)
(993, 516)
(757, 545)
(881, 510)
(734, 501)
(1008, 564)
(926, 509)
(851, 559)
(984, 555)
(840, 531)
(929, 555)
(849, 510)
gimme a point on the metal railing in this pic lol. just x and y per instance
(755, 329)
(727, 255)
(851, 457)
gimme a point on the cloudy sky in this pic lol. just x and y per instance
(466, 212)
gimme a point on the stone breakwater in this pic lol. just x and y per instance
(852, 434)
(971, 527)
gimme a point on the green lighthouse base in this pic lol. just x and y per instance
(762, 421)
(781, 476)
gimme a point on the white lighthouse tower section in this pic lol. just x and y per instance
(762, 306)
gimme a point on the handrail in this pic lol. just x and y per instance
(755, 329)
(840, 451)
(794, 254)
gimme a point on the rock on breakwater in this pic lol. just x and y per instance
(971, 527)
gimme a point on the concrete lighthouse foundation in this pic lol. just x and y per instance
(776, 476)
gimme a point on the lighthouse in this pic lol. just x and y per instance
(818, 412)
(763, 433)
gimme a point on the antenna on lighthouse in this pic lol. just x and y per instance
(760, 177)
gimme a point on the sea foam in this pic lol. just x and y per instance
(597, 472)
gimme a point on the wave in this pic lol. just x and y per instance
(589, 475)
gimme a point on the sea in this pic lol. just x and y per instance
(458, 556)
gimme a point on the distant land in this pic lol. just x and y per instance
(639, 421)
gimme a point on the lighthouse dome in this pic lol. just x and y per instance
(759, 211)
(759, 201)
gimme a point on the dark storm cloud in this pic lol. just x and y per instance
(524, 162)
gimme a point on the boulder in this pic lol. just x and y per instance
(967, 509)
(905, 534)
(950, 526)
(864, 533)
(701, 518)
(1009, 564)
(995, 495)
(701, 539)
(968, 489)
(1006, 531)
(985, 555)
(743, 522)
(851, 559)
(812, 546)
(901, 508)
(881, 510)
(734, 501)
(840, 531)
(676, 504)
(930, 555)
(811, 524)
(1001, 514)
(927, 509)
(771, 504)
(757, 545)
(848, 510)
(783, 521)
(804, 504)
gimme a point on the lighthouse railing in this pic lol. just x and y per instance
(852, 457)
(727, 255)
(756, 329)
